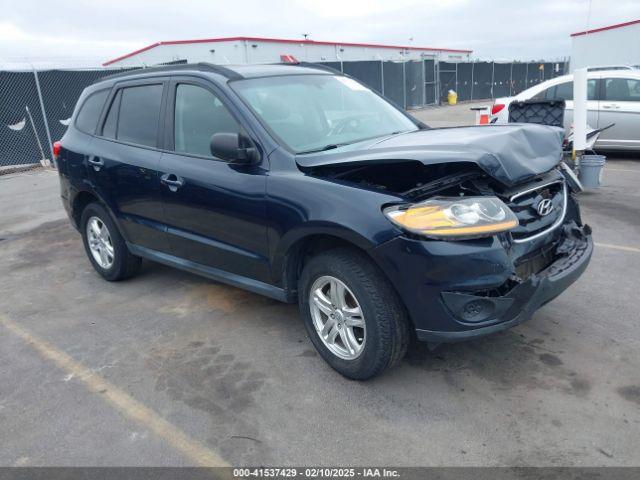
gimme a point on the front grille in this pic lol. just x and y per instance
(525, 204)
(535, 262)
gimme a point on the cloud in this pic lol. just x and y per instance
(92, 32)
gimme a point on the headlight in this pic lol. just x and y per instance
(464, 217)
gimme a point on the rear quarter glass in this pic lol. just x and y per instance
(89, 113)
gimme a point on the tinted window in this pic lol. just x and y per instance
(591, 90)
(87, 119)
(139, 114)
(622, 89)
(109, 129)
(546, 94)
(564, 91)
(198, 115)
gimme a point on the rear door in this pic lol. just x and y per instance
(620, 104)
(125, 161)
(215, 213)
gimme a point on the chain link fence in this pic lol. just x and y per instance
(415, 84)
(35, 106)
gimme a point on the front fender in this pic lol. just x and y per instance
(301, 233)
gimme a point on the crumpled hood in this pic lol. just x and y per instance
(511, 153)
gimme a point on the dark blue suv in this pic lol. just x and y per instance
(299, 183)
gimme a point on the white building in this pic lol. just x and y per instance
(613, 45)
(241, 50)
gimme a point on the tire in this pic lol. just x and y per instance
(119, 263)
(383, 341)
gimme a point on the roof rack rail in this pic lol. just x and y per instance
(202, 66)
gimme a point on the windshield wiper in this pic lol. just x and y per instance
(331, 146)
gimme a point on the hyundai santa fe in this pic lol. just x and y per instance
(302, 184)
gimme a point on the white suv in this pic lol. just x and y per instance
(613, 97)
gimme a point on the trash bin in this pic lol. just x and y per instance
(452, 97)
(590, 170)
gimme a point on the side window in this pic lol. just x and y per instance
(546, 94)
(564, 91)
(198, 115)
(109, 129)
(591, 89)
(622, 89)
(87, 119)
(139, 114)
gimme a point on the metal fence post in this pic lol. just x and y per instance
(35, 133)
(493, 69)
(44, 115)
(526, 76)
(456, 84)
(424, 85)
(404, 83)
(436, 68)
(472, 80)
(511, 79)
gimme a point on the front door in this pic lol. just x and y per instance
(214, 210)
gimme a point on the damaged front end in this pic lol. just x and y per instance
(486, 239)
(547, 275)
(455, 290)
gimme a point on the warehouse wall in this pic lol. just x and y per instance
(243, 51)
(618, 46)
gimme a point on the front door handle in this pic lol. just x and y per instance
(613, 105)
(173, 181)
(97, 163)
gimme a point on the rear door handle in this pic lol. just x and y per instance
(173, 181)
(97, 163)
(613, 105)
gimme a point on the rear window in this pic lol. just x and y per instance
(87, 119)
(139, 114)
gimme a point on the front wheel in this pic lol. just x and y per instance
(353, 316)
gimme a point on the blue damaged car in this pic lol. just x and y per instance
(302, 184)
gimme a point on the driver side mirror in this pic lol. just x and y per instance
(233, 147)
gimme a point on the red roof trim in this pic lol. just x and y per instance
(602, 29)
(280, 40)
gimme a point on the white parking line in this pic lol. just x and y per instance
(120, 400)
(620, 170)
(618, 247)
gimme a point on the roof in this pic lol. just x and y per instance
(279, 40)
(602, 29)
(231, 72)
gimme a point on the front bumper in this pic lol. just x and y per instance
(456, 291)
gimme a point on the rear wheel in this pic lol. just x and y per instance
(105, 247)
(353, 316)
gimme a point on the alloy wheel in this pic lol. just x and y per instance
(100, 243)
(337, 317)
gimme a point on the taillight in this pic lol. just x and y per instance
(496, 108)
(56, 150)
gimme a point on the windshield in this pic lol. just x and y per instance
(317, 112)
